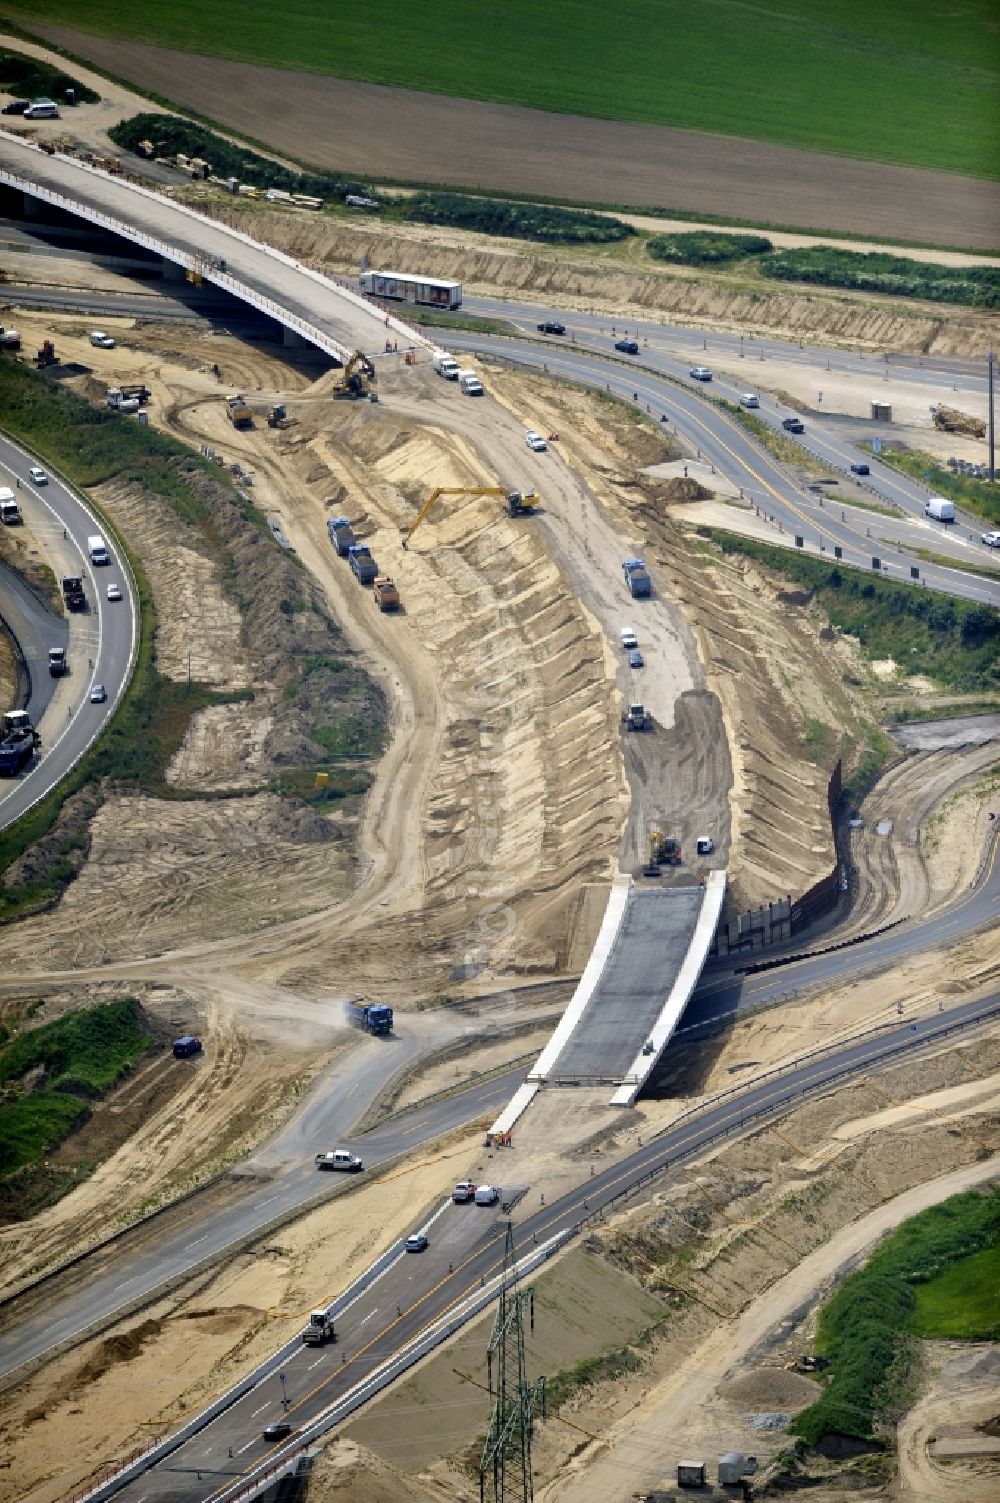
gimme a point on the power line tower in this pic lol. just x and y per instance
(505, 1468)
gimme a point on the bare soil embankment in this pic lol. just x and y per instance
(397, 134)
(490, 268)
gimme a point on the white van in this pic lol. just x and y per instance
(98, 550)
(487, 1195)
(102, 341)
(445, 366)
(42, 109)
(470, 383)
(940, 509)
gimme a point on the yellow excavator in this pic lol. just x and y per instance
(359, 375)
(518, 505)
(664, 850)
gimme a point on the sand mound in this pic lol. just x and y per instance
(770, 1388)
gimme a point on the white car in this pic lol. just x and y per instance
(37, 476)
(102, 341)
(701, 373)
(629, 639)
(991, 539)
(114, 592)
(535, 441)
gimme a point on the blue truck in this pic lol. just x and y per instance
(341, 535)
(18, 740)
(637, 578)
(374, 1017)
(364, 567)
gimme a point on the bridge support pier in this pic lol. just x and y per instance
(173, 271)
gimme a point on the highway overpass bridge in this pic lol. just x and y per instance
(311, 308)
(645, 965)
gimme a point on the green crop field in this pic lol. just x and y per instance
(898, 82)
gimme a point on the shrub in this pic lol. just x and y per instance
(30, 78)
(896, 276)
(706, 247)
(496, 216)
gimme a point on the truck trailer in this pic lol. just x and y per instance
(374, 1017)
(73, 593)
(411, 289)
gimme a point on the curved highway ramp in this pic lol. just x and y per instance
(644, 966)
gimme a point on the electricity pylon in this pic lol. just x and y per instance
(505, 1468)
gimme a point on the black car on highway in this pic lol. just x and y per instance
(627, 346)
(793, 425)
(551, 328)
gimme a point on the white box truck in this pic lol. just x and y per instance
(939, 509)
(98, 550)
(470, 383)
(445, 366)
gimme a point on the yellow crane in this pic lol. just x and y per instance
(517, 505)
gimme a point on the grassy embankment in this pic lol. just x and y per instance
(90, 445)
(31, 78)
(936, 1275)
(48, 1078)
(779, 75)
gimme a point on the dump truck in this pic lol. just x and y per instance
(637, 578)
(238, 412)
(386, 594)
(363, 566)
(521, 506)
(320, 1329)
(58, 665)
(18, 740)
(635, 718)
(341, 535)
(374, 1017)
(73, 593)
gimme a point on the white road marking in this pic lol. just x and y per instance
(314, 1364)
(266, 1202)
(259, 1411)
(246, 1447)
(367, 1318)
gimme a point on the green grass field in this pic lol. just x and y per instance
(899, 82)
(963, 1303)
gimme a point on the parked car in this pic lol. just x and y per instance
(635, 658)
(114, 592)
(701, 373)
(416, 1242)
(991, 539)
(535, 441)
(551, 328)
(463, 1192)
(627, 346)
(793, 425)
(860, 468)
(98, 694)
(629, 639)
(37, 475)
(16, 106)
(280, 1430)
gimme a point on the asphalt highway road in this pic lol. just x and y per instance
(724, 443)
(107, 634)
(403, 1294)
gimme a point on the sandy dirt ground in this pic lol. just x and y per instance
(961, 1399)
(395, 133)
